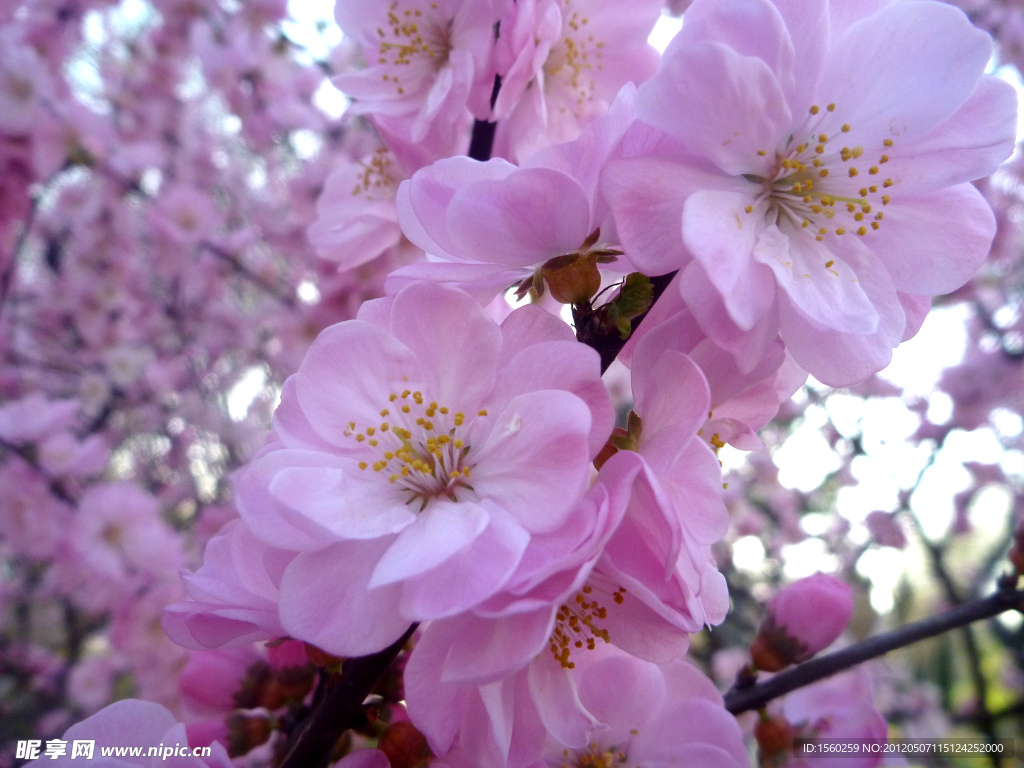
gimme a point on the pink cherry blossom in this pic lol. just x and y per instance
(562, 63)
(804, 618)
(234, 594)
(486, 226)
(426, 61)
(411, 470)
(356, 216)
(841, 707)
(135, 723)
(844, 205)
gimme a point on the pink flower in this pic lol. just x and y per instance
(804, 618)
(835, 213)
(641, 714)
(426, 61)
(135, 723)
(562, 63)
(628, 576)
(419, 450)
(234, 594)
(490, 225)
(841, 707)
(356, 217)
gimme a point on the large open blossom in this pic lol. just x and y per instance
(418, 449)
(817, 160)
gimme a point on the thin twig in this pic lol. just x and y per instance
(758, 695)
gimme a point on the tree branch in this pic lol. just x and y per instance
(312, 747)
(756, 696)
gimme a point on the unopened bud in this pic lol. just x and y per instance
(246, 732)
(803, 619)
(774, 737)
(573, 279)
(404, 746)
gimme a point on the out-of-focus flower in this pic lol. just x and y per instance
(804, 618)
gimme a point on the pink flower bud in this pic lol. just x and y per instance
(804, 618)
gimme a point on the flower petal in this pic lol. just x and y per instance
(347, 618)
(734, 105)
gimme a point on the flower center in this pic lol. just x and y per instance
(811, 184)
(574, 59)
(410, 37)
(376, 181)
(575, 626)
(417, 446)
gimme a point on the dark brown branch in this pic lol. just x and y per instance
(608, 341)
(331, 717)
(481, 142)
(757, 696)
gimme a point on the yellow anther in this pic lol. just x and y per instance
(840, 231)
(888, 142)
(829, 263)
(823, 172)
(819, 238)
(831, 107)
(885, 199)
(482, 412)
(805, 224)
(875, 225)
(405, 409)
(883, 159)
(823, 231)
(863, 191)
(363, 465)
(820, 149)
(406, 393)
(857, 151)
(749, 209)
(815, 109)
(443, 410)
(846, 128)
(385, 427)
(873, 188)
(458, 444)
(822, 138)
(370, 431)
(858, 216)
(385, 412)
(392, 397)
(853, 171)
(851, 207)
(887, 183)
(866, 208)
(360, 437)
(862, 230)
(761, 152)
(389, 455)
(393, 478)
(459, 418)
(873, 170)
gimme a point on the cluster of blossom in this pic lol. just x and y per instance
(446, 462)
(794, 178)
(154, 194)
